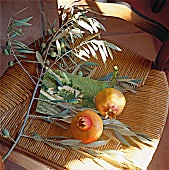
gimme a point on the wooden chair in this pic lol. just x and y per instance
(145, 112)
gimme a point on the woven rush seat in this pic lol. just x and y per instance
(145, 112)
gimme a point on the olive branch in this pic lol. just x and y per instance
(56, 47)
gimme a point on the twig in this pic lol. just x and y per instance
(24, 123)
(22, 66)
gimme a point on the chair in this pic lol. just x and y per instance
(145, 111)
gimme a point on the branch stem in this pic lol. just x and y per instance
(24, 123)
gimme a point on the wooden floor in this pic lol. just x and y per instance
(117, 30)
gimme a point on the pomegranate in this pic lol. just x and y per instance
(110, 102)
(87, 126)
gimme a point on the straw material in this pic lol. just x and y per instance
(145, 112)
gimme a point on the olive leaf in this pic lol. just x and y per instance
(92, 152)
(110, 52)
(131, 81)
(16, 34)
(97, 143)
(86, 50)
(54, 146)
(125, 131)
(83, 153)
(72, 38)
(92, 51)
(114, 47)
(5, 133)
(79, 56)
(142, 139)
(22, 22)
(22, 56)
(24, 46)
(90, 64)
(70, 142)
(58, 47)
(121, 138)
(54, 23)
(91, 21)
(83, 53)
(39, 58)
(25, 51)
(61, 114)
(85, 25)
(56, 77)
(107, 77)
(128, 87)
(102, 54)
(17, 31)
(98, 24)
(46, 19)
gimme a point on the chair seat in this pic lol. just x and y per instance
(145, 112)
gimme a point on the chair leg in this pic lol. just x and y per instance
(157, 6)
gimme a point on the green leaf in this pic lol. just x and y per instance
(85, 25)
(55, 77)
(21, 44)
(98, 143)
(105, 50)
(142, 139)
(92, 152)
(61, 114)
(14, 34)
(39, 58)
(83, 153)
(17, 31)
(98, 24)
(125, 131)
(76, 31)
(114, 122)
(90, 64)
(121, 138)
(79, 56)
(128, 81)
(54, 23)
(114, 47)
(46, 19)
(37, 137)
(110, 52)
(102, 54)
(66, 105)
(128, 87)
(92, 51)
(54, 146)
(70, 142)
(56, 137)
(94, 46)
(26, 19)
(143, 135)
(87, 51)
(107, 77)
(83, 53)
(21, 23)
(113, 152)
(25, 51)
(93, 25)
(22, 56)
(58, 47)
(5, 133)
(72, 38)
